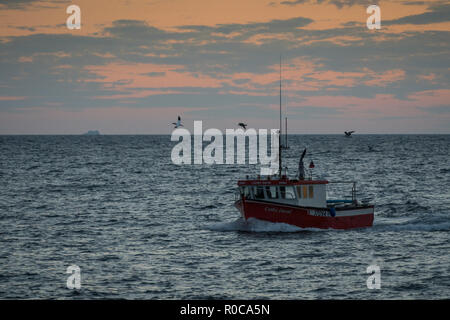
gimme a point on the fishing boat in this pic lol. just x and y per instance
(301, 201)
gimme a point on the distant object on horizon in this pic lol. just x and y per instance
(348, 133)
(178, 123)
(92, 133)
(243, 125)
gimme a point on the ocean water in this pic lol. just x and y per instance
(140, 227)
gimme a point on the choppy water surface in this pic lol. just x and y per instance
(140, 227)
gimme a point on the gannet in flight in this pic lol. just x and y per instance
(178, 123)
(243, 125)
(348, 133)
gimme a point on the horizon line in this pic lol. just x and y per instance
(168, 134)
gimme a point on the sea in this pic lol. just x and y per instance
(137, 226)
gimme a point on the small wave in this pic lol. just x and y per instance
(108, 257)
(211, 206)
(424, 223)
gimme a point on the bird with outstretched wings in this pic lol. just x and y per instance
(348, 133)
(178, 123)
(242, 125)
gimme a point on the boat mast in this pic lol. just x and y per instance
(285, 146)
(285, 135)
(279, 136)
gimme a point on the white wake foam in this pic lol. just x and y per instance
(428, 223)
(256, 225)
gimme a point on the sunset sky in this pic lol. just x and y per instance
(134, 66)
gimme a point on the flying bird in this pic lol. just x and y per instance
(348, 133)
(243, 125)
(178, 123)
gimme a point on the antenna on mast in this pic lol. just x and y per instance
(285, 135)
(279, 135)
(286, 146)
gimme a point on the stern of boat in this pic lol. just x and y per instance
(239, 203)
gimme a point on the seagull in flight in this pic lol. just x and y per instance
(348, 133)
(243, 125)
(178, 123)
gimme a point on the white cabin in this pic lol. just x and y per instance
(305, 193)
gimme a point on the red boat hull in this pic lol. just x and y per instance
(303, 217)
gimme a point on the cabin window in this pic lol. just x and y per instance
(299, 191)
(259, 194)
(272, 192)
(287, 192)
(290, 193)
(311, 191)
(305, 192)
(247, 194)
(283, 192)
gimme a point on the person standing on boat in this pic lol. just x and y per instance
(301, 167)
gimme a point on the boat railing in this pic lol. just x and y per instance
(265, 177)
(237, 195)
(259, 177)
(354, 200)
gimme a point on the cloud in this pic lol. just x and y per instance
(442, 110)
(438, 13)
(337, 3)
(293, 2)
(10, 98)
(22, 4)
(31, 29)
(138, 30)
(154, 74)
(16, 4)
(248, 29)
